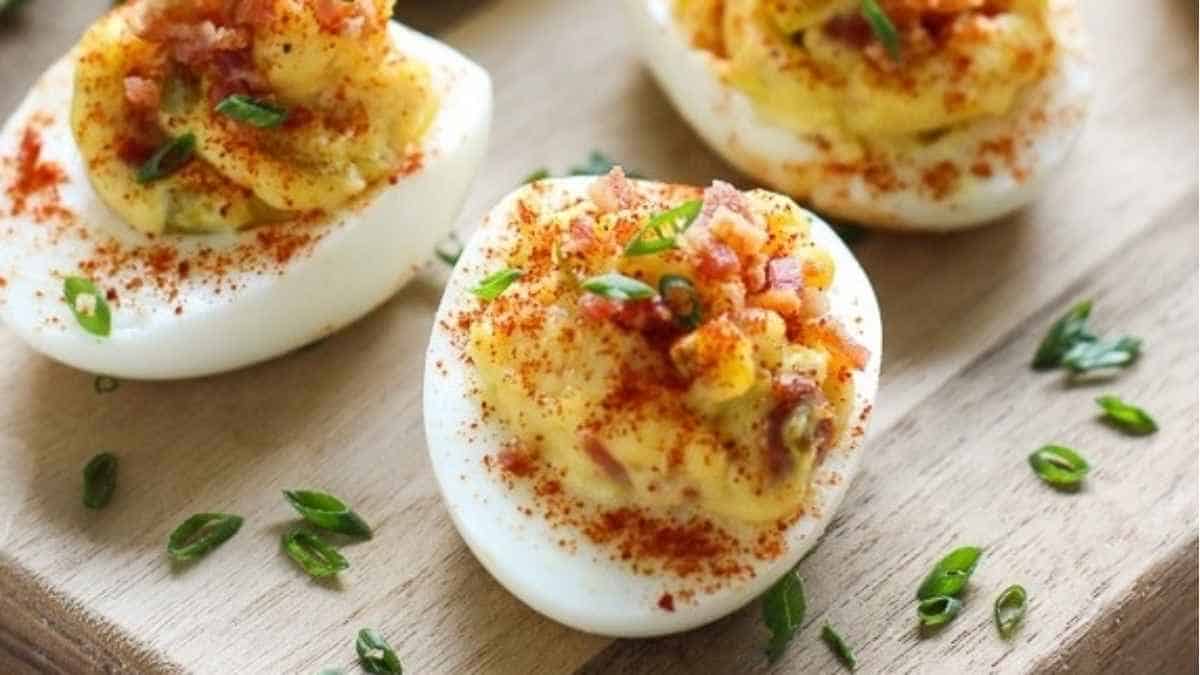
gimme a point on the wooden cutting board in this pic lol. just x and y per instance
(1111, 571)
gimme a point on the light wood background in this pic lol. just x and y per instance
(1112, 571)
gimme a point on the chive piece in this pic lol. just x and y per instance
(618, 287)
(103, 384)
(882, 26)
(167, 159)
(1102, 354)
(375, 654)
(449, 250)
(938, 610)
(327, 512)
(1067, 332)
(99, 480)
(201, 533)
(88, 305)
(783, 609)
(681, 298)
(665, 226)
(312, 554)
(252, 111)
(540, 174)
(951, 573)
(1058, 466)
(1126, 417)
(839, 647)
(1010, 610)
(495, 284)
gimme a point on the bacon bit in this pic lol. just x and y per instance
(342, 17)
(253, 13)
(142, 92)
(792, 388)
(614, 192)
(648, 316)
(737, 231)
(599, 454)
(598, 308)
(198, 43)
(716, 261)
(33, 175)
(833, 336)
(785, 273)
(666, 602)
(723, 195)
(582, 235)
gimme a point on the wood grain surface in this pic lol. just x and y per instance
(1111, 571)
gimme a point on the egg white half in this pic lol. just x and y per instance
(361, 255)
(583, 588)
(1046, 120)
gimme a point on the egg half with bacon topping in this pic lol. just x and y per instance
(200, 185)
(644, 402)
(903, 114)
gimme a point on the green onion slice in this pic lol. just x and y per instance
(168, 159)
(375, 654)
(201, 533)
(1067, 332)
(680, 296)
(882, 26)
(312, 554)
(1102, 354)
(327, 512)
(252, 111)
(1058, 466)
(449, 250)
(618, 287)
(88, 305)
(1010, 610)
(540, 174)
(1126, 417)
(495, 284)
(660, 231)
(838, 646)
(783, 607)
(950, 574)
(99, 480)
(103, 384)
(938, 610)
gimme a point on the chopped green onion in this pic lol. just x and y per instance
(665, 227)
(783, 608)
(1010, 610)
(1102, 354)
(882, 26)
(1067, 332)
(950, 574)
(540, 174)
(618, 287)
(495, 284)
(201, 533)
(252, 111)
(99, 480)
(938, 610)
(375, 654)
(312, 554)
(449, 250)
(1058, 466)
(168, 159)
(1126, 417)
(88, 305)
(103, 384)
(839, 647)
(327, 512)
(680, 296)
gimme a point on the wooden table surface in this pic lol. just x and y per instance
(1112, 571)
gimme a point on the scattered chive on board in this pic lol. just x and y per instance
(201, 533)
(839, 647)
(1127, 417)
(99, 480)
(1009, 610)
(783, 607)
(1060, 467)
(375, 654)
(327, 512)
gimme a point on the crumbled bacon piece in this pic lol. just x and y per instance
(792, 388)
(142, 92)
(715, 260)
(196, 43)
(613, 192)
(647, 316)
(343, 17)
(723, 195)
(739, 232)
(582, 235)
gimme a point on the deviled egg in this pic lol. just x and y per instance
(644, 402)
(200, 185)
(904, 114)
